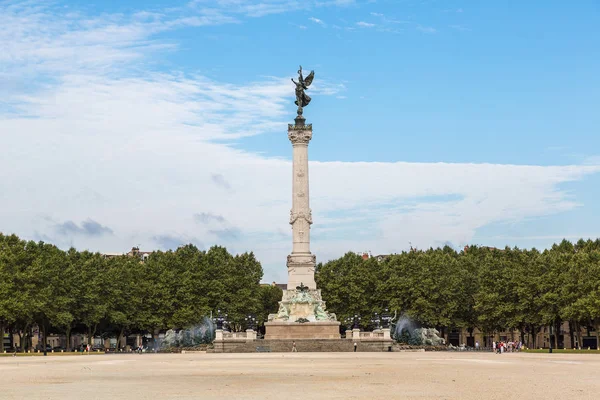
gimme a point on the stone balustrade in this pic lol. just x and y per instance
(372, 335)
(236, 335)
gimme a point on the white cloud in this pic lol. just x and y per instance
(426, 29)
(317, 21)
(148, 157)
(591, 160)
(459, 27)
(363, 24)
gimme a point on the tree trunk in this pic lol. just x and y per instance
(91, 333)
(155, 333)
(22, 348)
(45, 339)
(522, 336)
(2, 328)
(68, 338)
(533, 336)
(120, 338)
(30, 338)
(597, 329)
(572, 334)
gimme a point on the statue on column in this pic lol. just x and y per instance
(302, 99)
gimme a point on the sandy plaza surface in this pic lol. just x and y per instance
(417, 375)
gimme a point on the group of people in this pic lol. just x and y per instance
(503, 347)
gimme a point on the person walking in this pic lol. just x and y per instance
(494, 346)
(294, 349)
(477, 345)
(355, 346)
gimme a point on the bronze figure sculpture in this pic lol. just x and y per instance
(302, 99)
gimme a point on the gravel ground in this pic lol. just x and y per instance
(439, 375)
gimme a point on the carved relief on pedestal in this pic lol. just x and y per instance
(302, 303)
(301, 260)
(301, 214)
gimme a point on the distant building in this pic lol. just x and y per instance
(282, 286)
(134, 252)
(382, 257)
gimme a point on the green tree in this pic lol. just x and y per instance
(270, 296)
(349, 285)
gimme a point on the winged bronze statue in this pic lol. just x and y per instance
(302, 99)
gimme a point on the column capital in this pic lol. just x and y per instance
(300, 134)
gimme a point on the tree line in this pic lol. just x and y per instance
(68, 292)
(493, 290)
(490, 289)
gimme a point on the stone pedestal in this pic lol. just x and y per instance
(219, 334)
(250, 334)
(356, 334)
(386, 334)
(348, 333)
(307, 330)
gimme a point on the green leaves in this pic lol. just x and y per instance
(61, 291)
(486, 288)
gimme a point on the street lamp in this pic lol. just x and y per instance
(250, 322)
(356, 321)
(220, 320)
(386, 319)
(348, 322)
(376, 321)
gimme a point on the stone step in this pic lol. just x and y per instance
(302, 345)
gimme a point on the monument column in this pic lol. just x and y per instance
(301, 263)
(301, 313)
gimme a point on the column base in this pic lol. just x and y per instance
(307, 330)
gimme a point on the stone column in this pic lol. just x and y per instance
(356, 334)
(219, 334)
(301, 263)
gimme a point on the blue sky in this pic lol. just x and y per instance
(188, 101)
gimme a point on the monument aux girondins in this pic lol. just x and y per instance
(301, 317)
(301, 313)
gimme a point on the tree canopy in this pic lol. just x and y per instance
(478, 287)
(72, 291)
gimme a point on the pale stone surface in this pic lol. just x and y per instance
(386, 333)
(301, 263)
(468, 376)
(312, 330)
